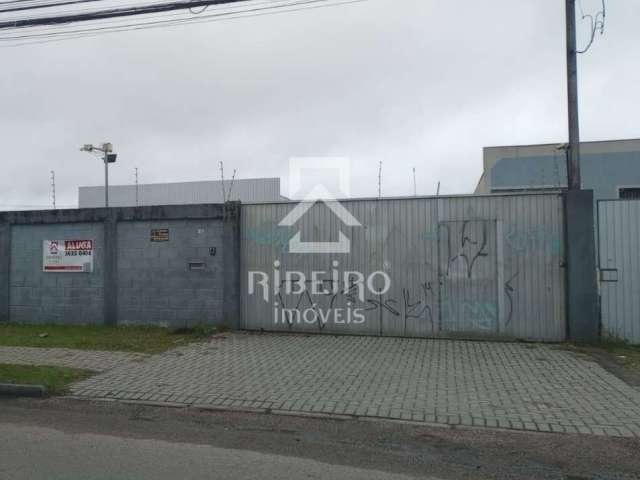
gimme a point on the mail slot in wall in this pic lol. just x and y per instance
(196, 264)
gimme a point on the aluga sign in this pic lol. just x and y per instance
(353, 286)
(65, 256)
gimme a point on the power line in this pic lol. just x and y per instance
(225, 16)
(35, 6)
(112, 13)
(597, 21)
(16, 2)
(83, 33)
(230, 9)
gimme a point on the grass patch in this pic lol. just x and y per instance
(627, 355)
(56, 379)
(124, 339)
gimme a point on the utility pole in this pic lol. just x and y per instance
(573, 164)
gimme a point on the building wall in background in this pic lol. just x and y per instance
(184, 193)
(606, 166)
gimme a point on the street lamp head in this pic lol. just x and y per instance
(108, 157)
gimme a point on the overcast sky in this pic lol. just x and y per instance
(411, 83)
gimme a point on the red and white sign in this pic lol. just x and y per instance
(67, 255)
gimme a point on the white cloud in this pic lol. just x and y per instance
(421, 83)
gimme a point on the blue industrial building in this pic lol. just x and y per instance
(611, 169)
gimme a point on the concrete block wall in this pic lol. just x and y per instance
(185, 281)
(39, 297)
(156, 283)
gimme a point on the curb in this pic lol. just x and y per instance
(17, 390)
(337, 417)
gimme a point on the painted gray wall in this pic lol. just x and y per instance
(135, 281)
(155, 284)
(39, 297)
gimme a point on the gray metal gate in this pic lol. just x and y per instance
(619, 263)
(472, 266)
(469, 277)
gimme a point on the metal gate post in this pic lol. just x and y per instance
(583, 324)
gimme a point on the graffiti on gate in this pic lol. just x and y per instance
(529, 240)
(462, 269)
(509, 291)
(479, 315)
(303, 306)
(465, 246)
(268, 234)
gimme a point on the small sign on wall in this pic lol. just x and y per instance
(160, 235)
(66, 256)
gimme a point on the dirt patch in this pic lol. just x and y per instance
(614, 361)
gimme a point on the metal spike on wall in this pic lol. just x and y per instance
(53, 189)
(137, 195)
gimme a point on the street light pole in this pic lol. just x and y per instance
(106, 180)
(573, 164)
(107, 157)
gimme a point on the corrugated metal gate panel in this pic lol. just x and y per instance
(619, 263)
(531, 279)
(469, 277)
(406, 249)
(516, 287)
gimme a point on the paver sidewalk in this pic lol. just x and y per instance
(65, 357)
(513, 386)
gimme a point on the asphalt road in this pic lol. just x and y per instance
(62, 439)
(38, 453)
